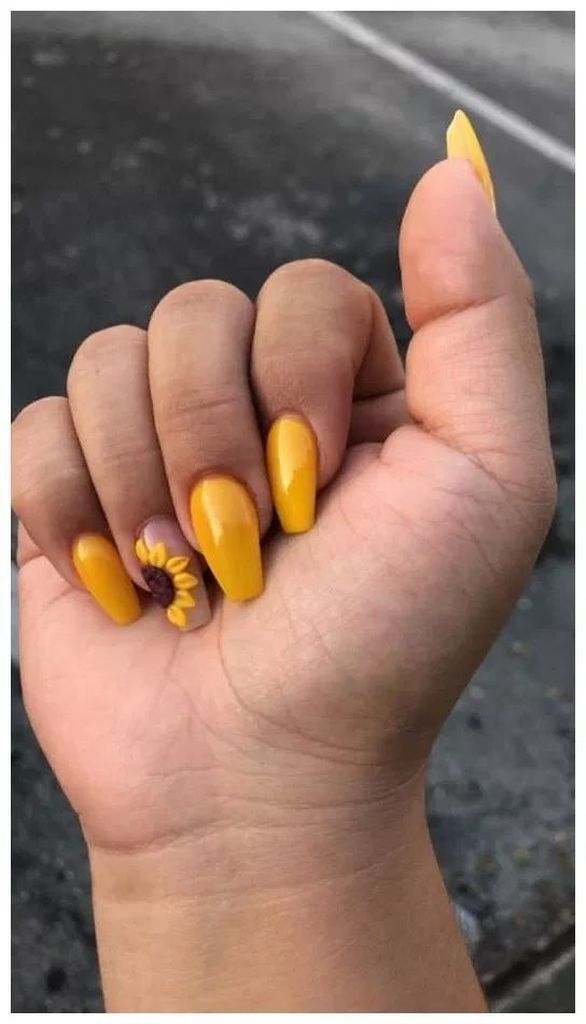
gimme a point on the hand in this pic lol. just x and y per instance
(307, 714)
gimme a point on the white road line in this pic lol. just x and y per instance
(472, 101)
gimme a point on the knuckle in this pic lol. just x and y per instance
(180, 411)
(174, 308)
(332, 287)
(312, 269)
(19, 491)
(293, 373)
(98, 346)
(38, 484)
(31, 462)
(29, 418)
(125, 458)
(312, 265)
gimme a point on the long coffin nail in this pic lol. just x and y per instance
(462, 142)
(292, 469)
(225, 523)
(172, 572)
(102, 573)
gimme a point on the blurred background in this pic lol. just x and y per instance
(154, 148)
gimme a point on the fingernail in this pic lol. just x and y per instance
(292, 469)
(225, 523)
(172, 572)
(462, 142)
(102, 573)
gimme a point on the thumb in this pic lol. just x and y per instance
(474, 367)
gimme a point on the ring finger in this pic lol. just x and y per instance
(111, 410)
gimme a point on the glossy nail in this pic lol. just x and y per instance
(225, 523)
(102, 573)
(292, 469)
(462, 142)
(172, 572)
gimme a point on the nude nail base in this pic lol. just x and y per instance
(171, 571)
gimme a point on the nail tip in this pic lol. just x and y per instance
(225, 522)
(245, 595)
(296, 529)
(124, 618)
(127, 622)
(298, 519)
(191, 629)
(462, 142)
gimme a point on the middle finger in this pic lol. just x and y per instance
(199, 342)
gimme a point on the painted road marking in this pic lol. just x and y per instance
(472, 101)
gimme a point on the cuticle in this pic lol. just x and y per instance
(152, 519)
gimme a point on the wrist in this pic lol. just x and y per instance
(213, 919)
(245, 853)
(284, 917)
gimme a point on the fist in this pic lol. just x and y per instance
(310, 547)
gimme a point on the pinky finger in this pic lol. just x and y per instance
(53, 497)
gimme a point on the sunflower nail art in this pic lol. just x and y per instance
(170, 571)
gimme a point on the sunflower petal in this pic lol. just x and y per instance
(158, 555)
(183, 599)
(176, 616)
(177, 564)
(142, 552)
(185, 581)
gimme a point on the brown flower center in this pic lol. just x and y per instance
(160, 585)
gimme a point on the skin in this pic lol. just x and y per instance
(252, 793)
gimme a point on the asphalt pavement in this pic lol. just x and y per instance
(151, 149)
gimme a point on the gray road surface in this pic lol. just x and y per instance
(151, 149)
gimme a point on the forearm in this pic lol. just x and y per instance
(365, 929)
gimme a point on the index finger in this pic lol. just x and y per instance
(322, 340)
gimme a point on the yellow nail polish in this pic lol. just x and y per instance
(225, 523)
(462, 142)
(102, 573)
(292, 469)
